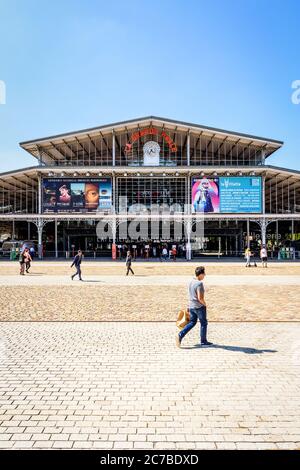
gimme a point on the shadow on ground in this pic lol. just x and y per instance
(233, 348)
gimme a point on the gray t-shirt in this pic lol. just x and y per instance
(195, 286)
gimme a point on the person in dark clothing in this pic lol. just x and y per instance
(28, 259)
(77, 263)
(128, 263)
(22, 262)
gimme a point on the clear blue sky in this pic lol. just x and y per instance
(71, 64)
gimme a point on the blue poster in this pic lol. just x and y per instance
(240, 194)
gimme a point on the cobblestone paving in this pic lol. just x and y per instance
(126, 386)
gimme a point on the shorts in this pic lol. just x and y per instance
(264, 259)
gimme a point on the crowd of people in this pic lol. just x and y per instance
(163, 252)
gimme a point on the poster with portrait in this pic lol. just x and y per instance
(77, 194)
(205, 195)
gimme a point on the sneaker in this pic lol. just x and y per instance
(206, 343)
(178, 341)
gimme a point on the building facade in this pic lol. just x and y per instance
(161, 177)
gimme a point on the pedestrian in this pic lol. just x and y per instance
(77, 263)
(174, 253)
(164, 253)
(264, 256)
(32, 252)
(22, 262)
(128, 263)
(248, 257)
(27, 259)
(197, 308)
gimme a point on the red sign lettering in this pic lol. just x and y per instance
(150, 131)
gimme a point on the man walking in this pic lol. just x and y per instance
(264, 256)
(128, 263)
(77, 262)
(28, 259)
(197, 308)
(22, 262)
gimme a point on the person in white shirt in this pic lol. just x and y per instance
(165, 253)
(264, 256)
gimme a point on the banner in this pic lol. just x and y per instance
(205, 195)
(240, 194)
(227, 194)
(77, 194)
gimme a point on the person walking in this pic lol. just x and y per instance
(197, 308)
(164, 253)
(27, 259)
(128, 263)
(22, 262)
(77, 263)
(248, 257)
(264, 256)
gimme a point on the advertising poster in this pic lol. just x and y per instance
(240, 194)
(205, 195)
(77, 195)
(114, 251)
(227, 194)
(105, 200)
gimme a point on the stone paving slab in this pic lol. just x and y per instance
(126, 386)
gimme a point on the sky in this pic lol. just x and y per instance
(69, 65)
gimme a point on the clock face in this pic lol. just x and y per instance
(151, 149)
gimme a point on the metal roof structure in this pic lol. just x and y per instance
(51, 146)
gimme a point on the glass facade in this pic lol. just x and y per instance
(136, 194)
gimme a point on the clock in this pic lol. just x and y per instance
(151, 151)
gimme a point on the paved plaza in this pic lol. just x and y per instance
(126, 386)
(155, 293)
(120, 383)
